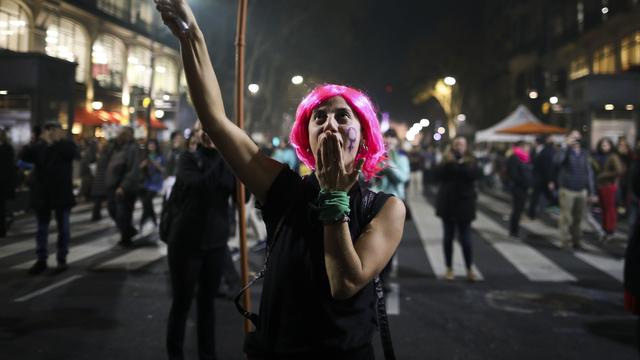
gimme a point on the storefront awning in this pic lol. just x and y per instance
(97, 118)
(155, 123)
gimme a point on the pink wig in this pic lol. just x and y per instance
(374, 151)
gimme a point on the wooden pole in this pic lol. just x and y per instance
(242, 228)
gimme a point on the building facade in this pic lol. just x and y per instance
(122, 66)
(575, 63)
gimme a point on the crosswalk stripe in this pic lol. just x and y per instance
(135, 259)
(533, 226)
(430, 232)
(591, 254)
(529, 261)
(24, 245)
(31, 227)
(392, 299)
(81, 252)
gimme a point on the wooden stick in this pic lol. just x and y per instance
(240, 195)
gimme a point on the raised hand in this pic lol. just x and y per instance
(177, 15)
(331, 170)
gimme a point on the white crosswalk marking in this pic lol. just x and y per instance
(529, 261)
(135, 259)
(24, 245)
(430, 231)
(81, 252)
(591, 255)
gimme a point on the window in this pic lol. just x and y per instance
(108, 54)
(604, 61)
(580, 16)
(578, 68)
(142, 12)
(13, 26)
(139, 67)
(117, 8)
(630, 51)
(166, 76)
(68, 40)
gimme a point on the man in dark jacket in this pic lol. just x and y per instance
(576, 184)
(520, 178)
(122, 182)
(543, 174)
(7, 178)
(52, 156)
(198, 241)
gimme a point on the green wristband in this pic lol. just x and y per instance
(332, 206)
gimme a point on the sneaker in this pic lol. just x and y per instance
(449, 275)
(471, 275)
(38, 267)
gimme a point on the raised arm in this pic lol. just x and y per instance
(254, 169)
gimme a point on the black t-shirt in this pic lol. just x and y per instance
(297, 314)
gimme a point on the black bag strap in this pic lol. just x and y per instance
(251, 316)
(368, 200)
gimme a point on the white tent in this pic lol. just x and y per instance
(519, 116)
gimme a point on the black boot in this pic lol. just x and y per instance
(39, 266)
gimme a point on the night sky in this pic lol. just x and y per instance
(387, 48)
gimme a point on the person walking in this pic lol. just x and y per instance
(152, 168)
(608, 169)
(576, 183)
(520, 178)
(544, 179)
(123, 182)
(7, 178)
(52, 157)
(318, 299)
(456, 202)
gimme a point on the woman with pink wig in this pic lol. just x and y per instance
(318, 299)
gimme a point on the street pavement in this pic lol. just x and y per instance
(533, 299)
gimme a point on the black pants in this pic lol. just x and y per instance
(539, 189)
(191, 269)
(464, 237)
(96, 214)
(148, 212)
(121, 210)
(518, 199)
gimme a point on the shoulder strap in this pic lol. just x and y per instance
(253, 317)
(371, 204)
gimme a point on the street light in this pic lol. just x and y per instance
(609, 107)
(533, 94)
(96, 105)
(461, 117)
(450, 80)
(437, 137)
(253, 88)
(424, 123)
(553, 100)
(159, 114)
(629, 107)
(441, 130)
(297, 80)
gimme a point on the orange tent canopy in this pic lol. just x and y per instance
(95, 118)
(532, 128)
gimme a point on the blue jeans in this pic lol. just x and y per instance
(62, 220)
